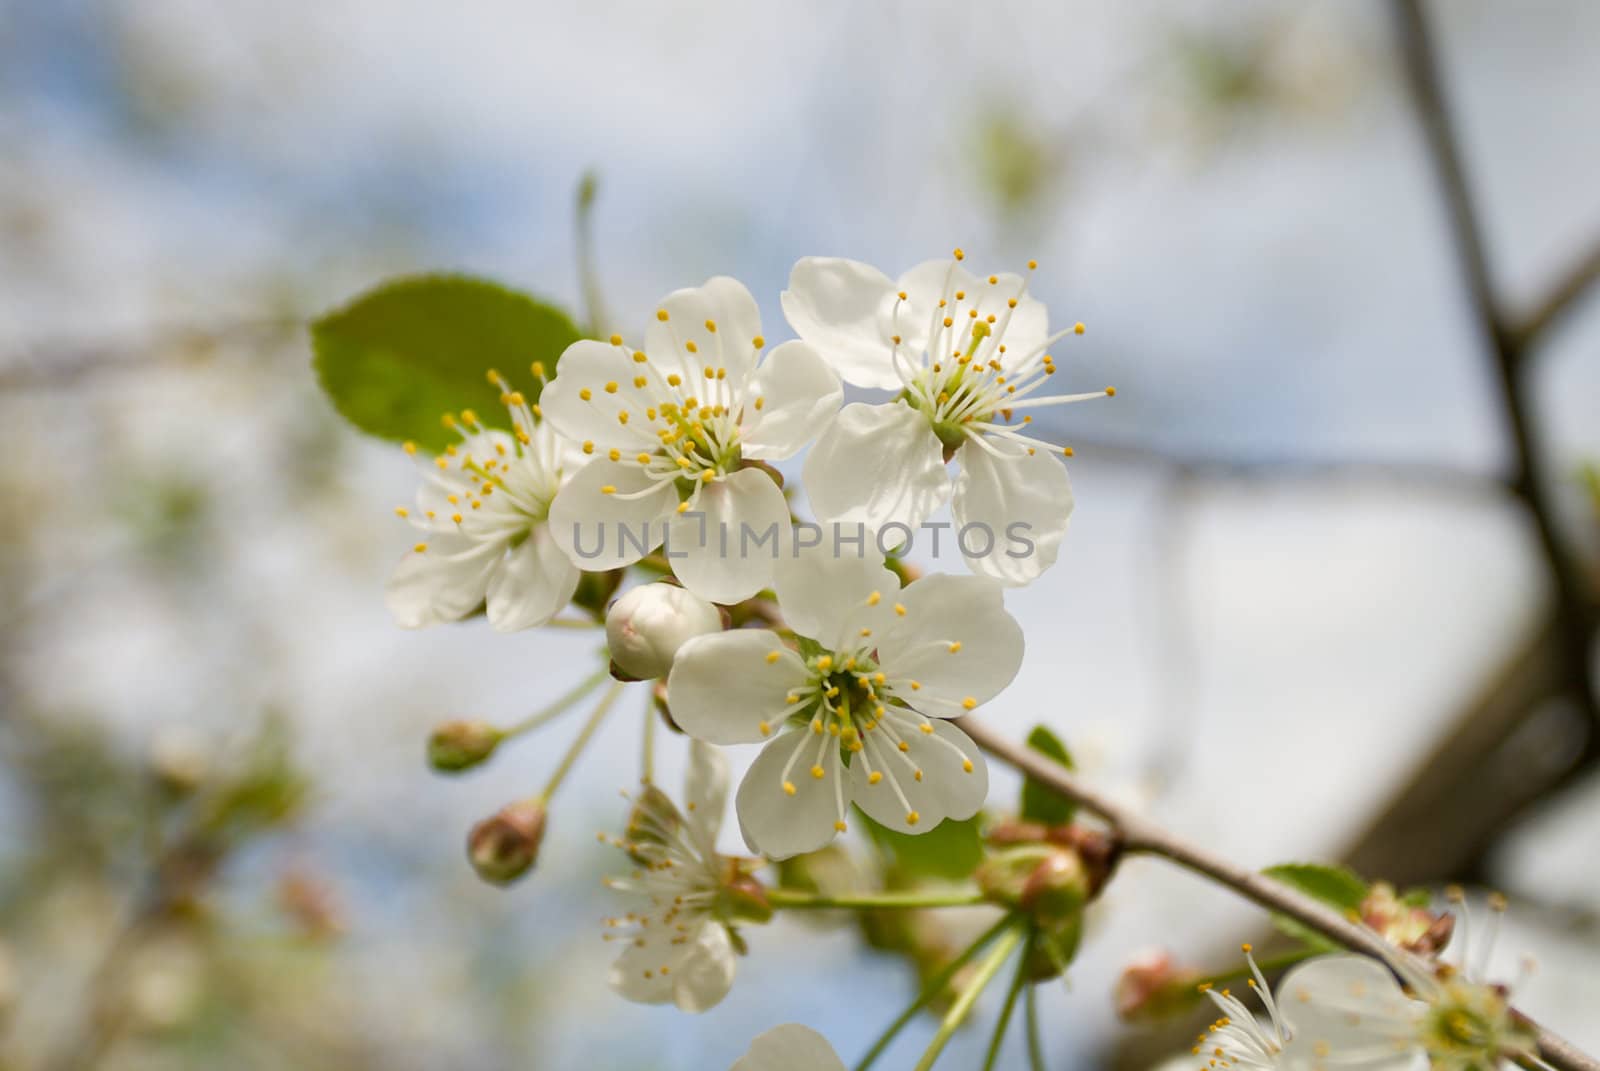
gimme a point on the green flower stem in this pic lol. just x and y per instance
(647, 757)
(796, 900)
(931, 991)
(1035, 1045)
(539, 717)
(600, 711)
(1018, 981)
(957, 1014)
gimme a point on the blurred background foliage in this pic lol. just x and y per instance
(1302, 579)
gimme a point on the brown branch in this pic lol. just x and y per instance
(1139, 835)
(1575, 607)
(1563, 298)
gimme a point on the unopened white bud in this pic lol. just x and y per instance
(645, 627)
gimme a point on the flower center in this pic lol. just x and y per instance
(969, 384)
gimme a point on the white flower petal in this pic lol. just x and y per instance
(705, 792)
(798, 394)
(686, 344)
(779, 823)
(1352, 1004)
(608, 374)
(724, 687)
(877, 465)
(724, 548)
(443, 583)
(1013, 502)
(705, 972)
(828, 596)
(791, 1047)
(599, 530)
(955, 640)
(657, 967)
(954, 782)
(1022, 329)
(836, 305)
(532, 585)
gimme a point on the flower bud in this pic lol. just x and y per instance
(460, 745)
(502, 848)
(1152, 986)
(1057, 889)
(645, 628)
(743, 897)
(1404, 922)
(1003, 876)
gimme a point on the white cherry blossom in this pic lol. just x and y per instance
(668, 430)
(968, 357)
(858, 710)
(790, 1047)
(482, 515)
(680, 947)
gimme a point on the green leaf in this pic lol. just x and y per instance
(1338, 887)
(950, 850)
(1039, 802)
(400, 356)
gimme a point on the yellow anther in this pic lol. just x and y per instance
(916, 686)
(916, 776)
(661, 314)
(1011, 303)
(959, 255)
(817, 772)
(711, 373)
(955, 645)
(639, 382)
(410, 448)
(537, 368)
(611, 386)
(441, 462)
(691, 347)
(840, 826)
(420, 547)
(1032, 264)
(401, 512)
(707, 475)
(1111, 392)
(903, 746)
(902, 295)
(468, 417)
(788, 788)
(825, 663)
(899, 609)
(766, 729)
(864, 634)
(960, 294)
(966, 765)
(639, 357)
(616, 340)
(879, 678)
(993, 279)
(926, 729)
(622, 416)
(674, 380)
(615, 454)
(758, 342)
(608, 489)
(1067, 451)
(683, 507)
(773, 656)
(874, 777)
(585, 394)
(913, 818)
(642, 458)
(948, 321)
(875, 598)
(456, 517)
(760, 401)
(1078, 328)
(588, 446)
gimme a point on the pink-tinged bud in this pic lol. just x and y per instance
(1057, 889)
(502, 848)
(1404, 922)
(1145, 984)
(460, 745)
(645, 628)
(743, 897)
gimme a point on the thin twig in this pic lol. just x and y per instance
(1577, 282)
(1141, 836)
